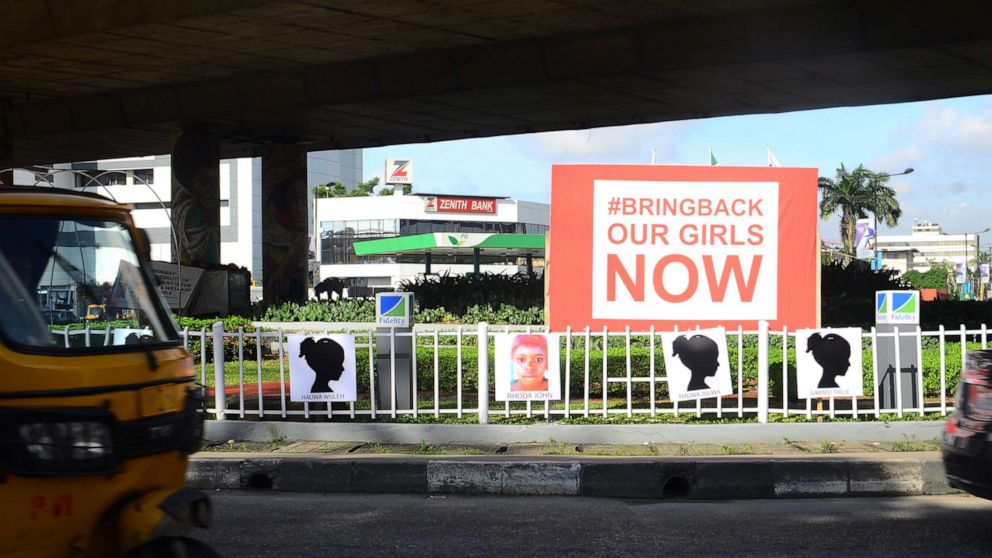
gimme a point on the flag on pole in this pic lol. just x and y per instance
(712, 158)
(772, 160)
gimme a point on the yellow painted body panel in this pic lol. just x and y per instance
(47, 516)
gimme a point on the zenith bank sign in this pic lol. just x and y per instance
(453, 204)
(677, 246)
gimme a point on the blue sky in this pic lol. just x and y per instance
(947, 142)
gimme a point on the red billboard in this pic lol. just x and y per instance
(682, 246)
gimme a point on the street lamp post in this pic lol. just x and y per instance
(875, 264)
(978, 249)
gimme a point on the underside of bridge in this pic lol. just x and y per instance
(100, 79)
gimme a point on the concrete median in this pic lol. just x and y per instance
(698, 478)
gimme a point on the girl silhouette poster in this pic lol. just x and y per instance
(828, 362)
(322, 368)
(527, 367)
(696, 363)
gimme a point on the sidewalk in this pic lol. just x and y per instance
(773, 468)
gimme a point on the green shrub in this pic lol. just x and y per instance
(231, 325)
(460, 293)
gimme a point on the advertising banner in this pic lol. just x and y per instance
(322, 368)
(828, 363)
(696, 364)
(864, 239)
(669, 246)
(960, 274)
(527, 367)
(984, 269)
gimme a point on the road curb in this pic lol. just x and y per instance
(659, 478)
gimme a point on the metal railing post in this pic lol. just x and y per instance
(763, 372)
(483, 373)
(219, 392)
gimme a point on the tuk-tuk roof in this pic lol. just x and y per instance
(58, 197)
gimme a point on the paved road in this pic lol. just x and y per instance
(253, 524)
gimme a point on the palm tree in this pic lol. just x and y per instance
(855, 194)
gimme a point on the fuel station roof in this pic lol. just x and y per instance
(454, 244)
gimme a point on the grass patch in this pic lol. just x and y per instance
(826, 446)
(426, 449)
(915, 445)
(556, 448)
(738, 449)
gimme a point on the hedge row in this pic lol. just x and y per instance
(640, 364)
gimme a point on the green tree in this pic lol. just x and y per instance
(338, 190)
(331, 190)
(940, 276)
(364, 188)
(407, 188)
(854, 194)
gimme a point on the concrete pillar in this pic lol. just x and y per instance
(6, 146)
(196, 197)
(284, 223)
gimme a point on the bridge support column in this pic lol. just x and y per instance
(196, 197)
(284, 223)
(6, 146)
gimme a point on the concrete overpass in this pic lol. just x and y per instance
(224, 78)
(100, 79)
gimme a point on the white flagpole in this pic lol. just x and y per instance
(772, 160)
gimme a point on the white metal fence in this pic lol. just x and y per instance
(596, 381)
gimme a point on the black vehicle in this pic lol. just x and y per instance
(967, 444)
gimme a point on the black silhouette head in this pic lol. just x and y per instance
(135, 338)
(833, 353)
(700, 355)
(326, 359)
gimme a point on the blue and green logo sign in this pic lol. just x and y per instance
(394, 309)
(897, 307)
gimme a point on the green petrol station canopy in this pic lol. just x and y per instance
(454, 244)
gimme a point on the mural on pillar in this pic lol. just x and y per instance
(196, 197)
(284, 223)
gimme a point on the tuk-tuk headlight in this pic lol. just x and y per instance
(67, 441)
(54, 442)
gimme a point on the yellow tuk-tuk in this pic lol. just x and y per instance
(96, 428)
(96, 312)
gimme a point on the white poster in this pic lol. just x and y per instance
(527, 367)
(130, 336)
(668, 247)
(696, 363)
(828, 362)
(322, 368)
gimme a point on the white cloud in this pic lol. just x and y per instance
(971, 132)
(626, 142)
(897, 161)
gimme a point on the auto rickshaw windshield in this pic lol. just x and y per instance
(54, 269)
